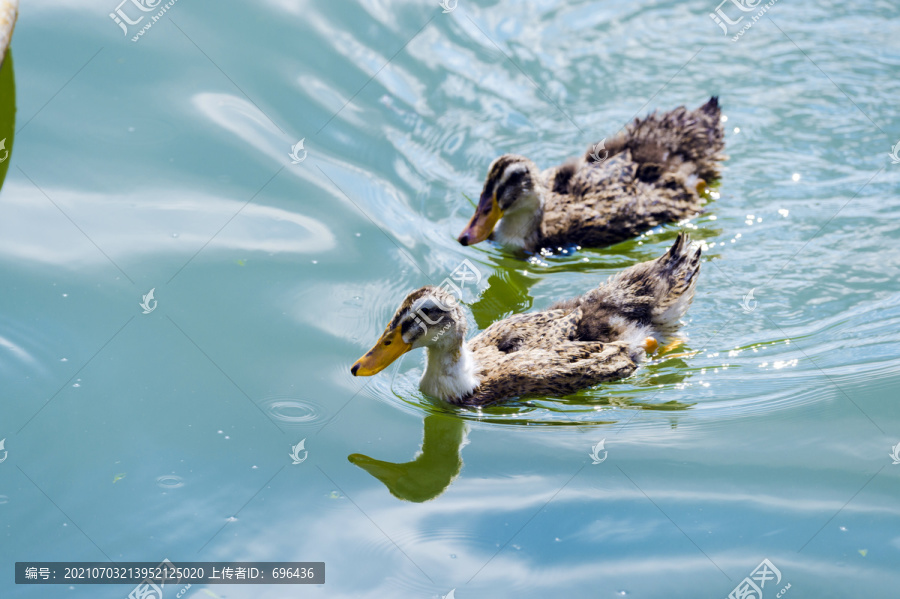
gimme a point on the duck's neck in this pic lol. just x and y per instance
(520, 226)
(450, 371)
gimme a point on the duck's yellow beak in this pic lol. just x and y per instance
(390, 347)
(482, 224)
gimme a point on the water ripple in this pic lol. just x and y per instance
(290, 410)
(169, 481)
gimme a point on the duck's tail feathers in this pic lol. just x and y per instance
(676, 273)
(650, 296)
(712, 136)
(712, 107)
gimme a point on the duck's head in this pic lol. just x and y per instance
(511, 201)
(428, 317)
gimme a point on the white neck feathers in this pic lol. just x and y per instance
(520, 225)
(450, 372)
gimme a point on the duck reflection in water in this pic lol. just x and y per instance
(431, 471)
(7, 112)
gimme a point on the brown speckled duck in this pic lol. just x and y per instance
(599, 336)
(651, 173)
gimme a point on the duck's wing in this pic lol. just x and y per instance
(690, 142)
(607, 202)
(554, 372)
(538, 354)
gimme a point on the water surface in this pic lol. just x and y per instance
(164, 164)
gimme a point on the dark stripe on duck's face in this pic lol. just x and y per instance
(398, 317)
(514, 181)
(406, 326)
(496, 173)
(405, 308)
(413, 328)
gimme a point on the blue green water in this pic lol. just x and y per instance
(164, 164)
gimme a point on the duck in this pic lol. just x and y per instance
(577, 343)
(657, 170)
(9, 11)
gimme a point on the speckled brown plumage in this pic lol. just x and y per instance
(649, 178)
(518, 357)
(577, 343)
(646, 175)
(581, 342)
(654, 293)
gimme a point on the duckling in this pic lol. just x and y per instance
(577, 343)
(651, 173)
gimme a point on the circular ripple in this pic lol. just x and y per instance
(291, 410)
(169, 481)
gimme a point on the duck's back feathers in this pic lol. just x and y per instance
(539, 354)
(646, 175)
(607, 203)
(681, 140)
(536, 329)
